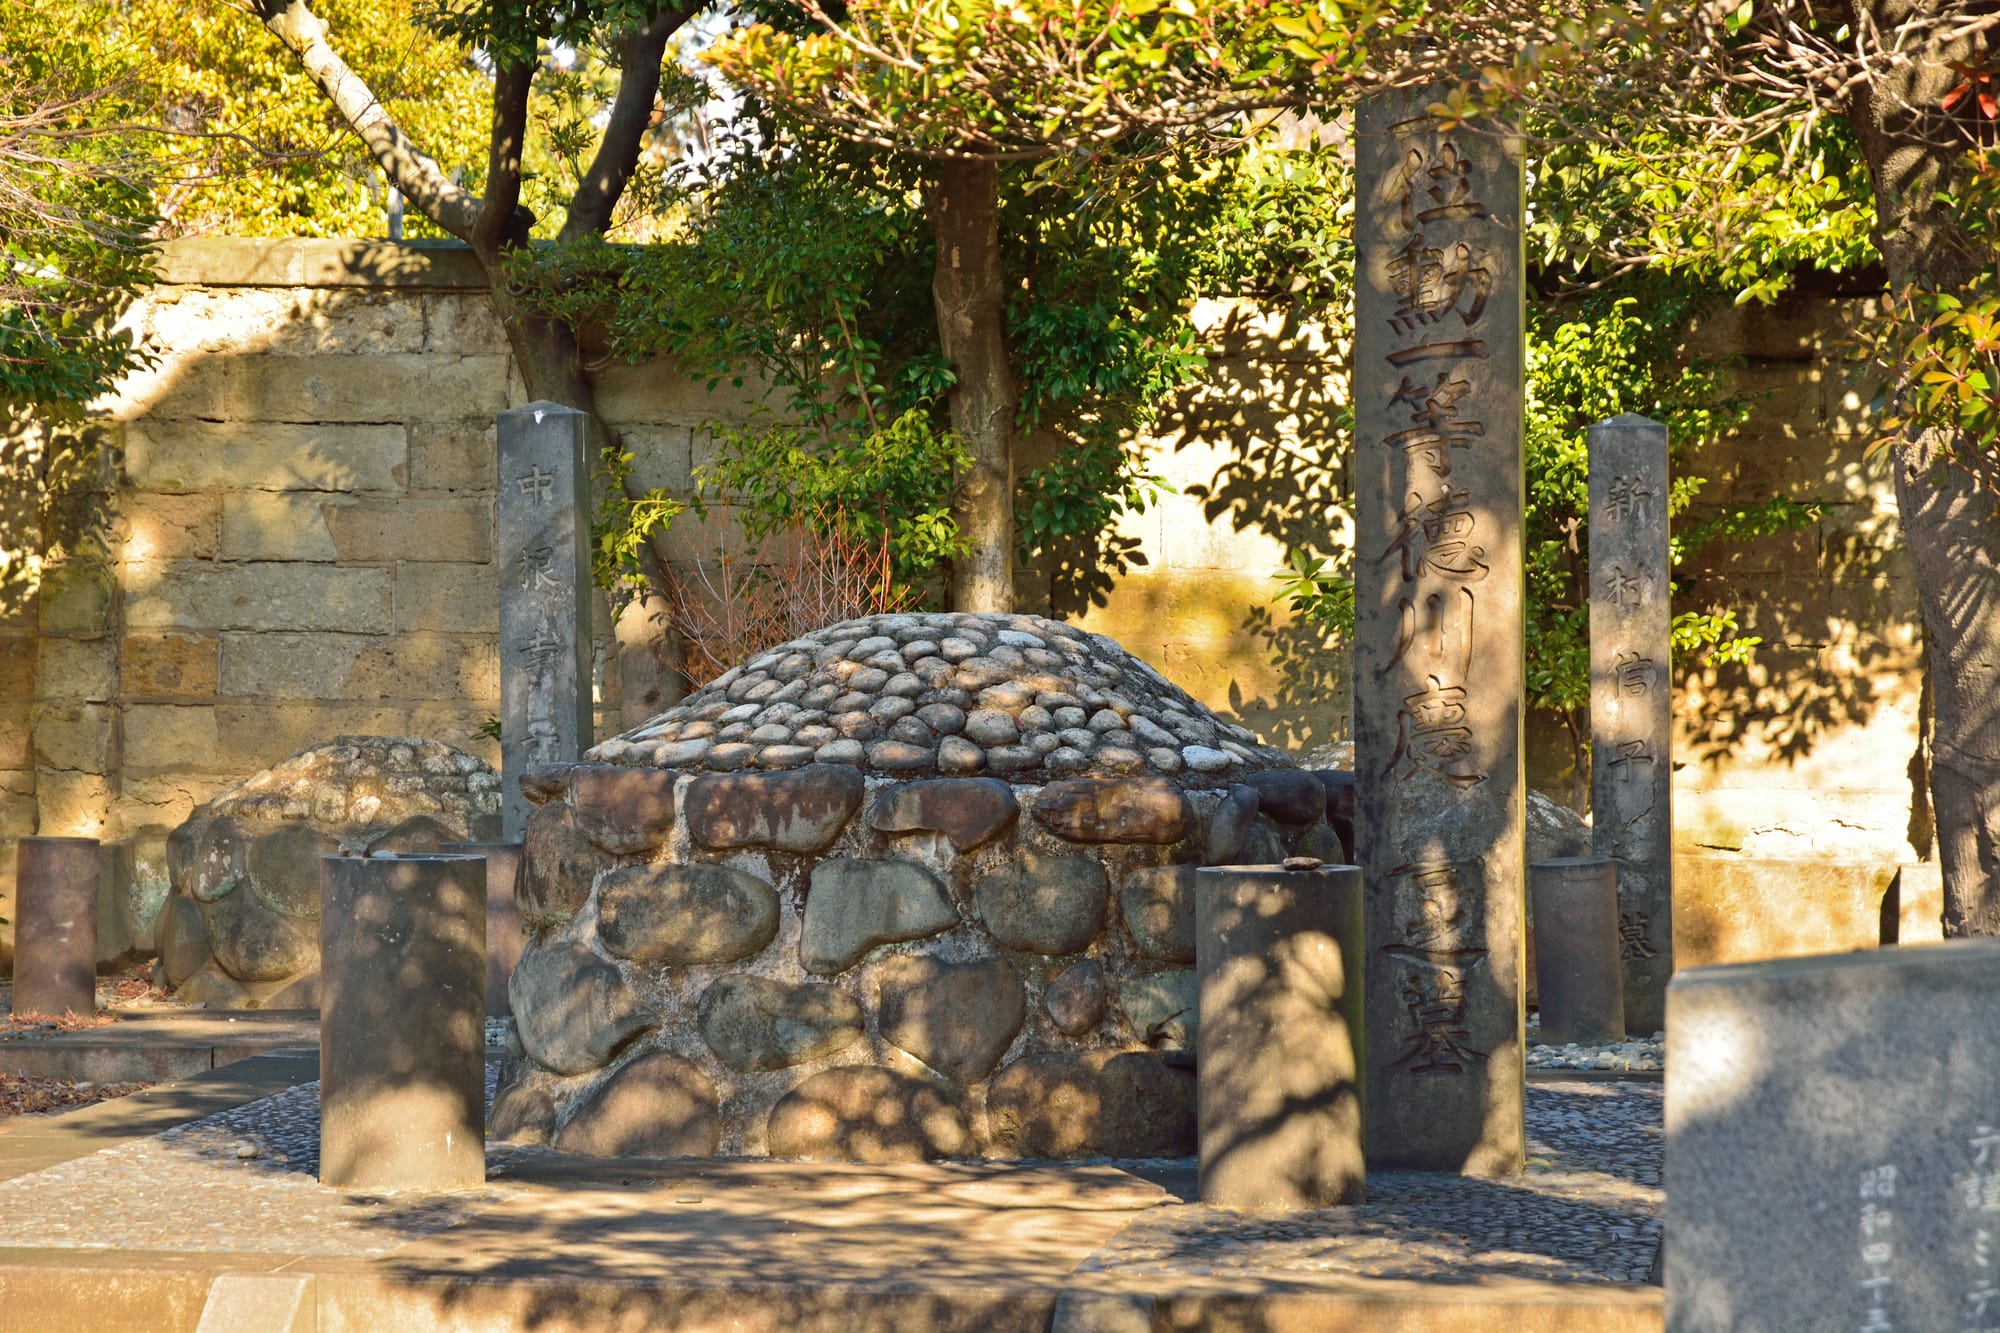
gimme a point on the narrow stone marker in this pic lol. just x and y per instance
(1631, 701)
(55, 940)
(544, 515)
(1577, 977)
(1833, 1142)
(402, 1036)
(504, 935)
(1278, 1098)
(1438, 665)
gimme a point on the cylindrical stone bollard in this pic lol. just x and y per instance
(503, 917)
(1579, 981)
(55, 939)
(402, 1029)
(1278, 1093)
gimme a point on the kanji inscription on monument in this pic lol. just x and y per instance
(544, 485)
(1631, 701)
(1438, 672)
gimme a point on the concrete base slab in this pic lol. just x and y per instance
(152, 1046)
(556, 1242)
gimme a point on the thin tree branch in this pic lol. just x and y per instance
(641, 53)
(412, 171)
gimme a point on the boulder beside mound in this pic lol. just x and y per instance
(911, 886)
(240, 929)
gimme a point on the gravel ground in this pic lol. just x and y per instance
(245, 1181)
(1640, 1054)
(1587, 1210)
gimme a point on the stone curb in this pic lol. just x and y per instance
(151, 1048)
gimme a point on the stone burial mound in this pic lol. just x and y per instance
(240, 929)
(911, 886)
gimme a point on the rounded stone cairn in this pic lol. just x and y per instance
(913, 886)
(240, 929)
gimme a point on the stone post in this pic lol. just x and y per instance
(1278, 1093)
(504, 935)
(1631, 701)
(1577, 976)
(1438, 665)
(55, 939)
(544, 513)
(402, 1036)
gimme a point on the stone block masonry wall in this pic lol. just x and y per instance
(1807, 752)
(303, 545)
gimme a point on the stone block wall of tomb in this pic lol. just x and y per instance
(304, 543)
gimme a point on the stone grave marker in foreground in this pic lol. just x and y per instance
(1833, 1142)
(402, 1036)
(1438, 671)
(1631, 701)
(544, 498)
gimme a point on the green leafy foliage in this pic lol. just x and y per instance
(1940, 350)
(805, 270)
(76, 206)
(1590, 358)
(258, 151)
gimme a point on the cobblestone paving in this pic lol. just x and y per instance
(1587, 1210)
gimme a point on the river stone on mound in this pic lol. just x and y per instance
(802, 811)
(864, 1113)
(755, 1024)
(958, 1018)
(1044, 904)
(574, 1011)
(622, 810)
(558, 864)
(1229, 826)
(991, 683)
(854, 906)
(970, 811)
(1160, 1006)
(1149, 810)
(1158, 903)
(1092, 1103)
(1075, 1000)
(659, 1105)
(244, 868)
(676, 916)
(863, 885)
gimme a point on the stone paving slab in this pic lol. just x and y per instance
(150, 1045)
(554, 1242)
(33, 1143)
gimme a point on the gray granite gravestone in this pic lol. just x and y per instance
(55, 940)
(1438, 669)
(1833, 1142)
(1278, 1100)
(1631, 701)
(402, 1032)
(1578, 981)
(544, 498)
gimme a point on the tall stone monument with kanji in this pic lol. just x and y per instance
(1438, 669)
(544, 499)
(1631, 702)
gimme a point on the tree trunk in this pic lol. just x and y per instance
(968, 289)
(1949, 519)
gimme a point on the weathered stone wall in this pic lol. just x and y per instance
(304, 549)
(1807, 752)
